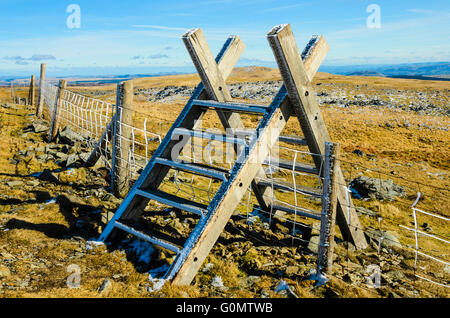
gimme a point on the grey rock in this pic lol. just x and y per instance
(313, 244)
(69, 137)
(40, 126)
(364, 211)
(366, 187)
(106, 287)
(14, 184)
(395, 275)
(387, 239)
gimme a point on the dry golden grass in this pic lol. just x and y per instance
(413, 153)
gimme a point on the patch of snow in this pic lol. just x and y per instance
(50, 201)
(158, 283)
(217, 282)
(208, 267)
(90, 245)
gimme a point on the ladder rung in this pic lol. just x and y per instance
(151, 239)
(286, 164)
(286, 186)
(210, 136)
(197, 169)
(300, 211)
(235, 107)
(174, 201)
(293, 140)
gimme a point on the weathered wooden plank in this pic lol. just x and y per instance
(304, 103)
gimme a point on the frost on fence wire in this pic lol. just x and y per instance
(435, 266)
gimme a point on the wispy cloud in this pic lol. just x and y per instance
(421, 11)
(159, 27)
(19, 60)
(282, 8)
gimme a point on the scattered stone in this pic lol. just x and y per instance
(106, 287)
(313, 244)
(364, 211)
(387, 239)
(69, 137)
(284, 289)
(208, 267)
(217, 282)
(365, 187)
(40, 126)
(358, 152)
(14, 184)
(33, 183)
(395, 275)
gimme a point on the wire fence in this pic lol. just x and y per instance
(295, 192)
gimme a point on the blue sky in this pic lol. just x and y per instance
(118, 37)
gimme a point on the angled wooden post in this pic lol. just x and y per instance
(101, 144)
(40, 104)
(54, 127)
(329, 206)
(122, 139)
(31, 91)
(304, 103)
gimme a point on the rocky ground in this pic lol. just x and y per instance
(423, 102)
(52, 210)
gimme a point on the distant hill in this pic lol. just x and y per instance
(432, 70)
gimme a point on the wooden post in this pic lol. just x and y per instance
(40, 104)
(55, 118)
(305, 105)
(13, 97)
(31, 92)
(329, 209)
(122, 139)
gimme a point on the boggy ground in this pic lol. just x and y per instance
(47, 220)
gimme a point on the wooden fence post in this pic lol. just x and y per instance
(31, 92)
(55, 117)
(40, 104)
(122, 139)
(329, 209)
(13, 97)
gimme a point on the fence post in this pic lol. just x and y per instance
(13, 97)
(121, 139)
(55, 117)
(40, 104)
(329, 208)
(31, 92)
